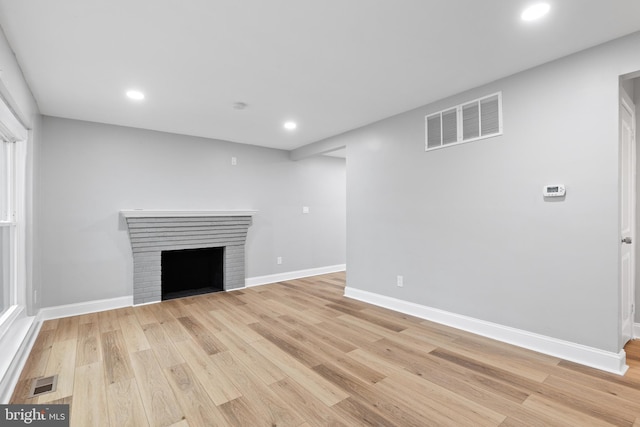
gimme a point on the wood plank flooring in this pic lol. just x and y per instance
(298, 353)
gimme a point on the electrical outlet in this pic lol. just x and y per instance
(279, 260)
(305, 209)
(234, 161)
(400, 281)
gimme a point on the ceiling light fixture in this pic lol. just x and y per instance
(535, 11)
(135, 95)
(290, 125)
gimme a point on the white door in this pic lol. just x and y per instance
(627, 209)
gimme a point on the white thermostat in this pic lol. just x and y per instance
(555, 190)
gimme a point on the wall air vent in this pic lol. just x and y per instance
(471, 121)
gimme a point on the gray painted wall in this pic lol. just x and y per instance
(467, 226)
(14, 88)
(91, 171)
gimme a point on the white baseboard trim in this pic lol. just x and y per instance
(292, 275)
(16, 346)
(67, 310)
(636, 331)
(584, 355)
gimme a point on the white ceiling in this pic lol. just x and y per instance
(330, 65)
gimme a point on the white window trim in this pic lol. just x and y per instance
(14, 321)
(12, 130)
(458, 109)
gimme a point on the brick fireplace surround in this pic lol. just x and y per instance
(152, 232)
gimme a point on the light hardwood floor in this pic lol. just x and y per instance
(298, 353)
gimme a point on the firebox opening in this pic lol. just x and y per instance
(191, 272)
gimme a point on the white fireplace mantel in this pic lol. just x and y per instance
(147, 213)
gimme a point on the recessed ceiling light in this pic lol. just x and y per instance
(290, 125)
(535, 11)
(135, 95)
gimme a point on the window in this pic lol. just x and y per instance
(6, 223)
(12, 217)
(5, 269)
(471, 121)
(5, 258)
(6, 180)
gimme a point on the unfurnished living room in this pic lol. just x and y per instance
(313, 213)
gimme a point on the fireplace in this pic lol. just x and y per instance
(189, 272)
(153, 233)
